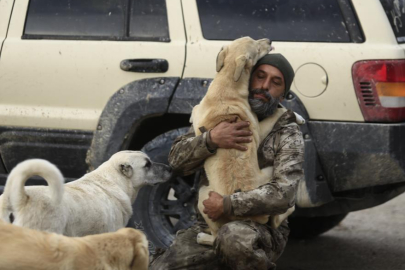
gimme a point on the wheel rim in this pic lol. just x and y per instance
(160, 211)
(177, 207)
(173, 207)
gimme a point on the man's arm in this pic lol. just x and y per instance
(277, 196)
(188, 152)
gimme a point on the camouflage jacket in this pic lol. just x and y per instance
(283, 149)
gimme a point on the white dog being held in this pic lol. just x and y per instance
(226, 99)
(101, 201)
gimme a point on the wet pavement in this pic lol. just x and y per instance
(370, 239)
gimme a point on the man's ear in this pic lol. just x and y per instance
(241, 62)
(221, 58)
(126, 170)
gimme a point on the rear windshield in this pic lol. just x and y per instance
(395, 10)
(279, 20)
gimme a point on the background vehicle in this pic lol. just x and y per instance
(81, 80)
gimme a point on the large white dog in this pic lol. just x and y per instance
(100, 201)
(226, 99)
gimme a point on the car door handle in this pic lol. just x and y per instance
(145, 65)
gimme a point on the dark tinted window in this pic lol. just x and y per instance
(149, 20)
(97, 19)
(395, 11)
(282, 20)
(102, 18)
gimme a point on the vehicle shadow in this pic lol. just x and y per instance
(337, 253)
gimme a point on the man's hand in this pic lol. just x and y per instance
(230, 134)
(214, 206)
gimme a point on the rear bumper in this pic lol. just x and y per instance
(360, 155)
(354, 200)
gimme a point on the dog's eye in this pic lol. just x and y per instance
(148, 164)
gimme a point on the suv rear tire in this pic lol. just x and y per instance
(160, 211)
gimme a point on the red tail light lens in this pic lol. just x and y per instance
(380, 89)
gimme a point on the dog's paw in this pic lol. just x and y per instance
(205, 239)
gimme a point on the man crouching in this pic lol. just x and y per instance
(243, 244)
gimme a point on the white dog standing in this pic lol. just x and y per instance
(100, 201)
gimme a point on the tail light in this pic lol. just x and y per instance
(380, 89)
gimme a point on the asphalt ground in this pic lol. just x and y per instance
(370, 239)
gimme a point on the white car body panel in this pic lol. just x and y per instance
(70, 89)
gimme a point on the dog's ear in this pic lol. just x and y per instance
(221, 58)
(241, 62)
(126, 170)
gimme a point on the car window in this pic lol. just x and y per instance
(279, 20)
(75, 18)
(97, 19)
(149, 20)
(395, 11)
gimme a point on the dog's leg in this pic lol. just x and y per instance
(205, 239)
(264, 177)
(263, 219)
(276, 221)
(213, 225)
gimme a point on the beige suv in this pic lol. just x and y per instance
(81, 80)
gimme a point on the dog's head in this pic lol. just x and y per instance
(243, 53)
(138, 167)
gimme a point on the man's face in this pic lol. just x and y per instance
(266, 90)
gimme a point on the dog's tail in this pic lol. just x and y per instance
(15, 197)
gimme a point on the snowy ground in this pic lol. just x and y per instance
(370, 239)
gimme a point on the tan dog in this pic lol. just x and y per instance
(226, 99)
(101, 201)
(22, 248)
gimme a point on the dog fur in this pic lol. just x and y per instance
(23, 248)
(101, 201)
(227, 99)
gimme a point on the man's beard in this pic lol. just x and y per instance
(261, 107)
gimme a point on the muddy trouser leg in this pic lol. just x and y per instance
(186, 253)
(249, 245)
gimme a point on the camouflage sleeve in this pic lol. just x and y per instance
(277, 196)
(189, 152)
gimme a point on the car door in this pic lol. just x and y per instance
(5, 12)
(62, 60)
(315, 49)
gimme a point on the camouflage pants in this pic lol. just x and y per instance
(239, 245)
